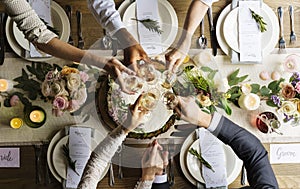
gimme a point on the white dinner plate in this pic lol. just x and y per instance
(20, 44)
(193, 164)
(57, 138)
(59, 160)
(234, 164)
(167, 16)
(227, 30)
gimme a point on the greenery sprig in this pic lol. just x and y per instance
(259, 20)
(201, 159)
(71, 163)
(151, 25)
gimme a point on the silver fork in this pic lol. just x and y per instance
(281, 40)
(80, 44)
(293, 37)
(202, 41)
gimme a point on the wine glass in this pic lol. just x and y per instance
(170, 100)
(169, 78)
(150, 99)
(133, 83)
(148, 72)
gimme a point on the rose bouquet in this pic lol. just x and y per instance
(65, 89)
(288, 98)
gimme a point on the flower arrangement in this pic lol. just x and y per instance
(201, 82)
(66, 89)
(288, 99)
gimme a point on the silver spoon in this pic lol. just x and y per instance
(202, 41)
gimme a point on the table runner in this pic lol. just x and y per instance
(12, 68)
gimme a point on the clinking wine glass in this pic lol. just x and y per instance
(169, 78)
(170, 100)
(267, 122)
(149, 101)
(133, 83)
(148, 72)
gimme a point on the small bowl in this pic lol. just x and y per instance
(28, 122)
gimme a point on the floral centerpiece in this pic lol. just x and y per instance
(201, 82)
(66, 89)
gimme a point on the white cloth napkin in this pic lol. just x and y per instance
(150, 40)
(43, 10)
(213, 152)
(79, 151)
(249, 33)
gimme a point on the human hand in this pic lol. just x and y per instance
(153, 161)
(190, 111)
(175, 57)
(134, 53)
(135, 115)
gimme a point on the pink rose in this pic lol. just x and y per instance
(14, 100)
(288, 91)
(80, 96)
(73, 105)
(84, 76)
(297, 87)
(60, 103)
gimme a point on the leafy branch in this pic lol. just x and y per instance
(259, 20)
(71, 163)
(201, 159)
(151, 25)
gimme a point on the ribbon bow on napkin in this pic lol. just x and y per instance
(213, 152)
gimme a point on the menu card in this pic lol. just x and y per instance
(213, 152)
(150, 40)
(249, 33)
(43, 10)
(79, 151)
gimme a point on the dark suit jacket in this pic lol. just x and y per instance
(249, 149)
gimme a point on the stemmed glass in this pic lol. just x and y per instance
(133, 83)
(148, 72)
(149, 101)
(170, 100)
(169, 78)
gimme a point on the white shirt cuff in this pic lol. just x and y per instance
(160, 178)
(214, 122)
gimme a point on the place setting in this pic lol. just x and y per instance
(56, 20)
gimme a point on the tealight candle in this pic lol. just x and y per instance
(5, 85)
(16, 123)
(249, 101)
(37, 116)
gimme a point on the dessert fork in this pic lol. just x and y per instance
(281, 40)
(292, 35)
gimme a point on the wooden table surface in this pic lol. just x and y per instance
(288, 175)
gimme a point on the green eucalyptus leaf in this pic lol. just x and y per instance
(255, 88)
(264, 91)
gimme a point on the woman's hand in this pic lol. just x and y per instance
(190, 111)
(154, 160)
(176, 56)
(135, 115)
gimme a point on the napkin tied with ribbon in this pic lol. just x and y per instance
(213, 152)
(249, 35)
(150, 40)
(79, 151)
(43, 10)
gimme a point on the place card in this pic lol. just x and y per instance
(284, 153)
(213, 152)
(9, 157)
(150, 40)
(249, 33)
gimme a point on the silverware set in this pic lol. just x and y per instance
(69, 11)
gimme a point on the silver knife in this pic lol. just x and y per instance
(2, 45)
(213, 38)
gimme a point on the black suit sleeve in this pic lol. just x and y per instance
(164, 185)
(249, 149)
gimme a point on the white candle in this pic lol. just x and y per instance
(37, 116)
(5, 85)
(249, 101)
